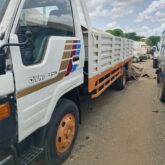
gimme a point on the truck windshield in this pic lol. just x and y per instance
(3, 7)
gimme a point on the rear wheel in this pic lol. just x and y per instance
(62, 132)
(158, 78)
(121, 81)
(162, 90)
(155, 64)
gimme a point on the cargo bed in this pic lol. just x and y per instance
(104, 59)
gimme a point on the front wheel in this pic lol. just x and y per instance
(62, 132)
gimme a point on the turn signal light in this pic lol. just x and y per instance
(5, 111)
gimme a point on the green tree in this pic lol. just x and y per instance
(148, 42)
(153, 40)
(133, 36)
(116, 32)
(120, 33)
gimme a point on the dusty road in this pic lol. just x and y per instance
(123, 127)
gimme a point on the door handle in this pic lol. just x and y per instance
(76, 59)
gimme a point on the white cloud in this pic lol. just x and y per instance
(160, 16)
(96, 7)
(152, 31)
(114, 9)
(128, 29)
(154, 12)
(145, 27)
(111, 25)
(107, 13)
(122, 7)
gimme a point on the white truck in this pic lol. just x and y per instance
(46, 60)
(140, 50)
(157, 51)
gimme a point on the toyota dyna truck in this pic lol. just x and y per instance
(47, 61)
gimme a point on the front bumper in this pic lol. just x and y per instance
(8, 126)
(8, 134)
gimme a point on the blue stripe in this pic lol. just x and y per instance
(77, 52)
(74, 67)
(79, 46)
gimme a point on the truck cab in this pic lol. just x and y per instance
(41, 61)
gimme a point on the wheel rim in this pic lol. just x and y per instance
(65, 133)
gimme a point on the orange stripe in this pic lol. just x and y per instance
(66, 55)
(92, 82)
(68, 47)
(69, 42)
(110, 78)
(99, 92)
(64, 65)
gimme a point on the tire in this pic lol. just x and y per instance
(162, 94)
(155, 64)
(121, 81)
(61, 133)
(158, 78)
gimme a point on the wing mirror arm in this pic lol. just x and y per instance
(27, 36)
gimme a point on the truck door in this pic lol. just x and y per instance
(52, 54)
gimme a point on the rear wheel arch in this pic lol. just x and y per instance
(75, 97)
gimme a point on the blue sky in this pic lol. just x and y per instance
(146, 17)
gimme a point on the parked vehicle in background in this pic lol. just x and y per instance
(156, 52)
(161, 68)
(135, 59)
(140, 49)
(47, 58)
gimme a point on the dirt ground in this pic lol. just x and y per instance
(123, 127)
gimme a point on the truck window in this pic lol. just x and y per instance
(3, 7)
(43, 19)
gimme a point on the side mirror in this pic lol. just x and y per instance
(27, 36)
